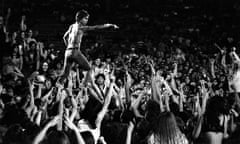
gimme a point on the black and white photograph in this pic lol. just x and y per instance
(119, 72)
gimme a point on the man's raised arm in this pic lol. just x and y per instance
(96, 27)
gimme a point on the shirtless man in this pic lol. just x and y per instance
(72, 39)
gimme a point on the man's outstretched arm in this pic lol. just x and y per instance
(96, 27)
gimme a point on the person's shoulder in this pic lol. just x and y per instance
(72, 25)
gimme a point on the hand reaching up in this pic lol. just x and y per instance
(54, 121)
(212, 61)
(130, 126)
(69, 123)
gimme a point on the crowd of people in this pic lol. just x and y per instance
(172, 91)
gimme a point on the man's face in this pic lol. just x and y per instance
(84, 20)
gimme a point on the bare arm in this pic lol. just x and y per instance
(43, 132)
(129, 133)
(97, 27)
(31, 105)
(136, 104)
(94, 90)
(181, 98)
(23, 26)
(102, 113)
(154, 89)
(65, 36)
(234, 55)
(127, 86)
(198, 128)
(74, 109)
(160, 97)
(73, 127)
(7, 18)
(212, 61)
(60, 112)
(39, 92)
(47, 95)
(38, 118)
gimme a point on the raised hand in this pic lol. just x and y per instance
(69, 123)
(54, 121)
(9, 10)
(101, 140)
(131, 126)
(234, 49)
(212, 61)
(59, 85)
(23, 17)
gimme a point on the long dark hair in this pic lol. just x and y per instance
(216, 106)
(166, 130)
(57, 137)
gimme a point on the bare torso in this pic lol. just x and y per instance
(75, 36)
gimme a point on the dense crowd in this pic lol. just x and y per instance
(172, 91)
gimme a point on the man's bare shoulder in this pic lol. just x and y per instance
(72, 25)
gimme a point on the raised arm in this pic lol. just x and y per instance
(73, 127)
(61, 109)
(181, 98)
(223, 60)
(136, 104)
(234, 55)
(198, 128)
(98, 27)
(107, 101)
(7, 19)
(156, 86)
(31, 105)
(74, 109)
(212, 61)
(40, 137)
(94, 90)
(129, 133)
(23, 26)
